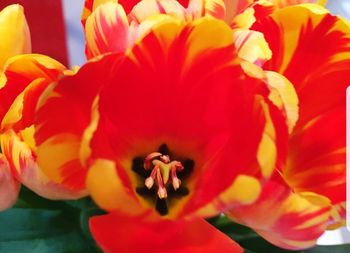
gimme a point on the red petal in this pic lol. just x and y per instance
(116, 234)
(59, 138)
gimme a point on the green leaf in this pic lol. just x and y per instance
(40, 231)
(40, 225)
(253, 243)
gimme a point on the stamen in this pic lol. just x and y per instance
(163, 172)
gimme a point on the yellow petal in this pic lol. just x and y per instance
(14, 33)
(251, 46)
(284, 96)
(108, 190)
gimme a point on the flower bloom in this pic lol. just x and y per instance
(14, 34)
(308, 193)
(169, 132)
(23, 78)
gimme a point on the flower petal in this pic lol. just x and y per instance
(14, 33)
(319, 73)
(106, 30)
(317, 157)
(252, 46)
(60, 138)
(116, 233)
(9, 186)
(24, 79)
(284, 3)
(310, 66)
(296, 222)
(23, 164)
(148, 8)
(91, 5)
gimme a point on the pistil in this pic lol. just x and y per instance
(163, 169)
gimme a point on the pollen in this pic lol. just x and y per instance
(163, 172)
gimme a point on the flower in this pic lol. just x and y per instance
(15, 40)
(162, 135)
(24, 79)
(308, 193)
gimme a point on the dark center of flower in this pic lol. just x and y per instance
(162, 178)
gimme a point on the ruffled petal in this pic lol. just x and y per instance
(9, 186)
(14, 33)
(117, 233)
(296, 221)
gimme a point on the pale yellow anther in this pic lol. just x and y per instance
(149, 182)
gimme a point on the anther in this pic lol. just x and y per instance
(163, 171)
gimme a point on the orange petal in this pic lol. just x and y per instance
(286, 219)
(106, 30)
(22, 161)
(116, 233)
(14, 33)
(9, 186)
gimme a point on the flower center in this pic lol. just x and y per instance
(163, 179)
(163, 170)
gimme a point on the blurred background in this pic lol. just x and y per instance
(56, 31)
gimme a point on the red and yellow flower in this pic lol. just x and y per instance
(23, 78)
(14, 33)
(189, 109)
(163, 135)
